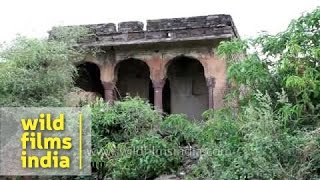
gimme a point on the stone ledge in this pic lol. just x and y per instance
(161, 30)
(152, 41)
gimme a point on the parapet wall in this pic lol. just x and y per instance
(190, 22)
(175, 29)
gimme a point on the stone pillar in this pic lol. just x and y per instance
(210, 84)
(108, 91)
(158, 88)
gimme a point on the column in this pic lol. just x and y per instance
(210, 84)
(158, 88)
(108, 91)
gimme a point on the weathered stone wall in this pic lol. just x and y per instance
(132, 26)
(189, 22)
(161, 29)
(162, 41)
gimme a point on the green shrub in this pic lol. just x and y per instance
(125, 142)
(219, 127)
(179, 129)
(148, 156)
(123, 120)
(38, 72)
(256, 145)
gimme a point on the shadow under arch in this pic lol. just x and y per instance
(88, 78)
(133, 79)
(185, 90)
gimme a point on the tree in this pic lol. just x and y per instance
(288, 60)
(39, 72)
(275, 134)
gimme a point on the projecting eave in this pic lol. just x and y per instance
(155, 41)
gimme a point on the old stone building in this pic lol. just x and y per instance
(171, 62)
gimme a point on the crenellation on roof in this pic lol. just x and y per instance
(209, 27)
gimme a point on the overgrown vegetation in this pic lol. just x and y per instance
(126, 144)
(179, 129)
(275, 131)
(272, 133)
(38, 72)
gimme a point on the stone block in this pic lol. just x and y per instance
(131, 26)
(102, 29)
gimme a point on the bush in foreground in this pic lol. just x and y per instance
(257, 144)
(125, 141)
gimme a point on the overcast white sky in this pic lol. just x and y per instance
(35, 17)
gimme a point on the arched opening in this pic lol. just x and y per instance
(134, 80)
(88, 78)
(186, 87)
